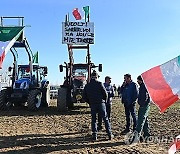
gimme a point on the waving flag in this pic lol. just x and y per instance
(163, 83)
(35, 57)
(76, 14)
(8, 36)
(174, 146)
(86, 10)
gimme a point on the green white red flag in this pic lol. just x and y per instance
(162, 83)
(77, 15)
(175, 146)
(8, 36)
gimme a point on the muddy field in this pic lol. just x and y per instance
(48, 131)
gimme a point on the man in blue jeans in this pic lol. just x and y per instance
(110, 92)
(95, 95)
(129, 93)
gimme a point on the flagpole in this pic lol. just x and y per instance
(88, 14)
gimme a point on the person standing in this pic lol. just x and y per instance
(110, 92)
(129, 95)
(115, 90)
(119, 91)
(95, 95)
(144, 107)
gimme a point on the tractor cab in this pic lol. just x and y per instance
(27, 79)
(80, 74)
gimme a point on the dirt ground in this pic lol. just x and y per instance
(48, 131)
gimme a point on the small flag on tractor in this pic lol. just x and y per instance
(76, 14)
(86, 10)
(35, 57)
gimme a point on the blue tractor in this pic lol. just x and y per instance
(29, 86)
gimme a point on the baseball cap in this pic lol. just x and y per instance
(94, 74)
(107, 77)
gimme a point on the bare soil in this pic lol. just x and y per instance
(49, 131)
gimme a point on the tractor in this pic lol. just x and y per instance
(29, 86)
(77, 76)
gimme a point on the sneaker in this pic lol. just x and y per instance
(141, 139)
(111, 137)
(124, 132)
(135, 138)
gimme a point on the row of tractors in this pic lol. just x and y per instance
(30, 87)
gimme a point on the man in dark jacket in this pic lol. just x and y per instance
(110, 92)
(144, 107)
(129, 95)
(95, 95)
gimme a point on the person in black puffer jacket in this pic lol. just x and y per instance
(95, 95)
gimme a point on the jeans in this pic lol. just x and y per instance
(142, 122)
(101, 110)
(130, 109)
(108, 110)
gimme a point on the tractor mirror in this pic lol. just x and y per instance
(45, 70)
(100, 68)
(9, 69)
(61, 68)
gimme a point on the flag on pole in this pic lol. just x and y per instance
(174, 146)
(8, 36)
(35, 57)
(163, 83)
(86, 10)
(76, 14)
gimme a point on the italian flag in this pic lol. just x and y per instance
(163, 83)
(175, 146)
(8, 36)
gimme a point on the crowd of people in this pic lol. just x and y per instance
(99, 97)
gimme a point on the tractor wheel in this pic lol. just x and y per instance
(5, 99)
(61, 100)
(34, 100)
(69, 101)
